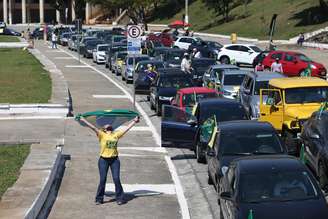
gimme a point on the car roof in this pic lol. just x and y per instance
(175, 49)
(215, 101)
(137, 55)
(235, 72)
(224, 66)
(245, 124)
(150, 61)
(295, 82)
(265, 75)
(191, 90)
(268, 163)
(239, 44)
(282, 51)
(165, 71)
(99, 45)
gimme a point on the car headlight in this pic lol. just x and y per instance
(313, 66)
(164, 98)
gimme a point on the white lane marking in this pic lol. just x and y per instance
(144, 189)
(64, 57)
(76, 66)
(109, 96)
(179, 190)
(151, 149)
(139, 108)
(31, 117)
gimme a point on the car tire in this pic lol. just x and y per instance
(148, 98)
(323, 179)
(106, 65)
(152, 107)
(225, 60)
(209, 179)
(221, 214)
(288, 140)
(199, 156)
(158, 110)
(123, 79)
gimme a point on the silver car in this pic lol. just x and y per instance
(250, 90)
(229, 83)
(130, 62)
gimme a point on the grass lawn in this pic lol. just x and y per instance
(4, 38)
(22, 78)
(11, 160)
(294, 16)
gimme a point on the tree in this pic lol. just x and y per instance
(223, 7)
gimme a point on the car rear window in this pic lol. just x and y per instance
(175, 81)
(224, 112)
(234, 79)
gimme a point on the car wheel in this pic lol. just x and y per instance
(301, 72)
(199, 155)
(225, 60)
(123, 79)
(106, 65)
(152, 107)
(148, 98)
(158, 110)
(221, 214)
(323, 179)
(209, 179)
(290, 142)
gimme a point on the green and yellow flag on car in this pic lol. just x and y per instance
(113, 117)
(250, 214)
(323, 107)
(209, 130)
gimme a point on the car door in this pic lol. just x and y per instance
(245, 55)
(290, 65)
(246, 92)
(232, 52)
(313, 145)
(227, 206)
(212, 161)
(178, 127)
(271, 110)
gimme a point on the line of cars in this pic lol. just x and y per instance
(249, 163)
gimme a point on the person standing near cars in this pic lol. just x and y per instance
(259, 67)
(277, 66)
(108, 139)
(185, 64)
(54, 40)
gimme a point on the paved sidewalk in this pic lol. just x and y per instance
(138, 165)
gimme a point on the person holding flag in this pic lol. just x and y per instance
(108, 139)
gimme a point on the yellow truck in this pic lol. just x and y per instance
(289, 102)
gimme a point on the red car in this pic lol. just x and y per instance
(293, 63)
(165, 38)
(185, 97)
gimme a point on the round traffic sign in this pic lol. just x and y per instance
(134, 31)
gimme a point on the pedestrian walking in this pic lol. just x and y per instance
(277, 66)
(301, 39)
(108, 139)
(185, 64)
(54, 40)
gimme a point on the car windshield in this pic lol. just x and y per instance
(276, 186)
(227, 113)
(175, 55)
(233, 79)
(118, 39)
(103, 48)
(256, 49)
(306, 95)
(260, 85)
(121, 55)
(177, 82)
(137, 59)
(249, 142)
(304, 58)
(93, 43)
(192, 99)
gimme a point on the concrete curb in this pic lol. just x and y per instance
(13, 45)
(33, 109)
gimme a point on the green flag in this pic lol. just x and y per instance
(302, 154)
(250, 214)
(323, 107)
(208, 131)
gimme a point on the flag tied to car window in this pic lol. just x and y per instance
(113, 117)
(250, 214)
(208, 131)
(323, 107)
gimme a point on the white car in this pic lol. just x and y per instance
(99, 54)
(184, 42)
(2, 24)
(239, 53)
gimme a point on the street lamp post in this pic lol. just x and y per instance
(186, 9)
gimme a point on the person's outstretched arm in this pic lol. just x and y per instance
(92, 127)
(130, 125)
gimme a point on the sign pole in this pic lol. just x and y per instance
(134, 87)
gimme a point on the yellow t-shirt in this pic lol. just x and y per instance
(108, 143)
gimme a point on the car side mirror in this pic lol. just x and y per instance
(192, 122)
(315, 136)
(226, 196)
(211, 153)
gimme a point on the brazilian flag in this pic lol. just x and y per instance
(250, 214)
(323, 107)
(113, 117)
(208, 131)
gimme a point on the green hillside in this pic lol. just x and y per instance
(294, 16)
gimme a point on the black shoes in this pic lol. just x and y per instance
(99, 202)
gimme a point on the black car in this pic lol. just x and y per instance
(165, 86)
(173, 57)
(83, 43)
(116, 47)
(270, 187)
(237, 139)
(141, 81)
(259, 58)
(199, 66)
(190, 124)
(89, 47)
(208, 49)
(10, 32)
(315, 139)
(158, 53)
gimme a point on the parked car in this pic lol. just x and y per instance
(83, 42)
(163, 38)
(250, 90)
(211, 75)
(183, 129)
(158, 53)
(10, 32)
(240, 53)
(111, 51)
(290, 102)
(199, 66)
(89, 47)
(141, 82)
(187, 98)
(237, 139)
(165, 87)
(184, 42)
(315, 139)
(72, 42)
(119, 61)
(172, 58)
(131, 62)
(208, 49)
(64, 38)
(270, 187)
(294, 63)
(98, 54)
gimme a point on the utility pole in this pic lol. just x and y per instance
(187, 15)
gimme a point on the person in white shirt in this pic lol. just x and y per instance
(198, 55)
(277, 66)
(54, 40)
(185, 64)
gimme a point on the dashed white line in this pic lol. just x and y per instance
(109, 96)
